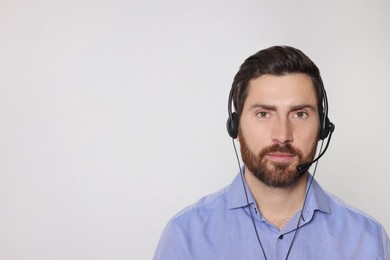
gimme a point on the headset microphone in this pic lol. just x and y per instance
(302, 168)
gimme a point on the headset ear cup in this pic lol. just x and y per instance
(325, 128)
(232, 125)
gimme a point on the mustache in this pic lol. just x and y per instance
(277, 148)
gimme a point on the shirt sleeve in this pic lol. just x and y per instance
(386, 244)
(172, 244)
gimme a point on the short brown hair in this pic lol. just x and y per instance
(276, 60)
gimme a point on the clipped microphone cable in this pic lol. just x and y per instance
(247, 200)
(304, 201)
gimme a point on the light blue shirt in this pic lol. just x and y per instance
(219, 226)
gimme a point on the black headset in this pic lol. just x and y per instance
(233, 120)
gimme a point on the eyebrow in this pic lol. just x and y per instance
(274, 108)
(303, 106)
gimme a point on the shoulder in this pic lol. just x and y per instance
(356, 220)
(209, 204)
(351, 227)
(361, 224)
(339, 206)
(185, 230)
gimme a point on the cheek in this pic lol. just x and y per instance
(255, 140)
(308, 142)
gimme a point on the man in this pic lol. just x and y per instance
(274, 209)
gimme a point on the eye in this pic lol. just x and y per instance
(301, 115)
(262, 114)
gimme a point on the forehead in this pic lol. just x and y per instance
(290, 89)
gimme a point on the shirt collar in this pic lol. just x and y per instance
(317, 198)
(236, 194)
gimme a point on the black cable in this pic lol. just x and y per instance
(247, 200)
(304, 203)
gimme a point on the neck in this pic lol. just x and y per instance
(277, 205)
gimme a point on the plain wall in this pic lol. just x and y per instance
(112, 113)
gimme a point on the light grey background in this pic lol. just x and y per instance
(113, 112)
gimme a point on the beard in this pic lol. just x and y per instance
(275, 174)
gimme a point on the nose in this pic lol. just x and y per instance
(282, 131)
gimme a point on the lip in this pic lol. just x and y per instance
(281, 157)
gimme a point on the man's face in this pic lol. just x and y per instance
(279, 127)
